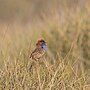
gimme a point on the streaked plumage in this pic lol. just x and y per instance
(39, 50)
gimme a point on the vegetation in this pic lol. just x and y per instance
(66, 29)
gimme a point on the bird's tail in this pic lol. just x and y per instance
(30, 55)
(30, 67)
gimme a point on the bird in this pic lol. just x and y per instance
(39, 51)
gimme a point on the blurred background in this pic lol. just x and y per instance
(64, 24)
(27, 11)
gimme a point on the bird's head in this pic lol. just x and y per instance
(41, 43)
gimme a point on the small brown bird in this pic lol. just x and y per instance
(39, 50)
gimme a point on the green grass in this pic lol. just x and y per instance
(66, 65)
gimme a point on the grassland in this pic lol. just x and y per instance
(66, 65)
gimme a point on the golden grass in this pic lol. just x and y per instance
(66, 63)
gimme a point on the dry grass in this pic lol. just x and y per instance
(67, 61)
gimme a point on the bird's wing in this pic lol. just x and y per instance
(37, 53)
